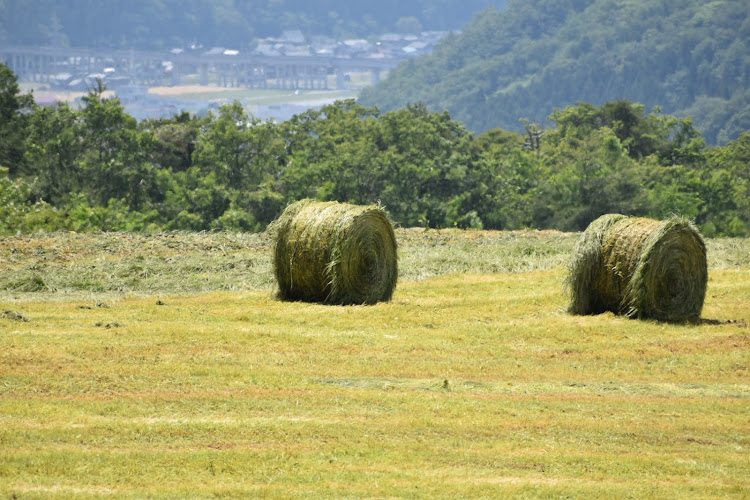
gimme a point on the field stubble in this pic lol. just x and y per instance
(162, 366)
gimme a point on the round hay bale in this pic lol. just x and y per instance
(640, 268)
(335, 253)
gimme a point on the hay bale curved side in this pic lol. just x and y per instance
(641, 268)
(335, 253)
(587, 282)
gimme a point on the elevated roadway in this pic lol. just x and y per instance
(47, 64)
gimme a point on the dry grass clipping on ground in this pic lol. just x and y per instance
(106, 266)
(462, 386)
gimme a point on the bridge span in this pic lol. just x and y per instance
(225, 68)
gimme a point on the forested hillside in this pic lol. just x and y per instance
(690, 57)
(160, 24)
(97, 168)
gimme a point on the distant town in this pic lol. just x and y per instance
(288, 62)
(387, 46)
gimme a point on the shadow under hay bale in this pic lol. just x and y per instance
(640, 268)
(334, 253)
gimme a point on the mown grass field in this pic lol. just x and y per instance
(163, 367)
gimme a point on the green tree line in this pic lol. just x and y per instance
(688, 56)
(97, 168)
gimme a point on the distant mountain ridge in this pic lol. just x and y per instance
(165, 24)
(689, 57)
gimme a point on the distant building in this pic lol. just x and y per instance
(293, 36)
(292, 51)
(267, 49)
(61, 80)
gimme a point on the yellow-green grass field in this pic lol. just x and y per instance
(162, 366)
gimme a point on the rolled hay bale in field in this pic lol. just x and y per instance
(640, 268)
(334, 253)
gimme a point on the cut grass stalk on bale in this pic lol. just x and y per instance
(335, 253)
(640, 268)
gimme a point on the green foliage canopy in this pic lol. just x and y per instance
(97, 168)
